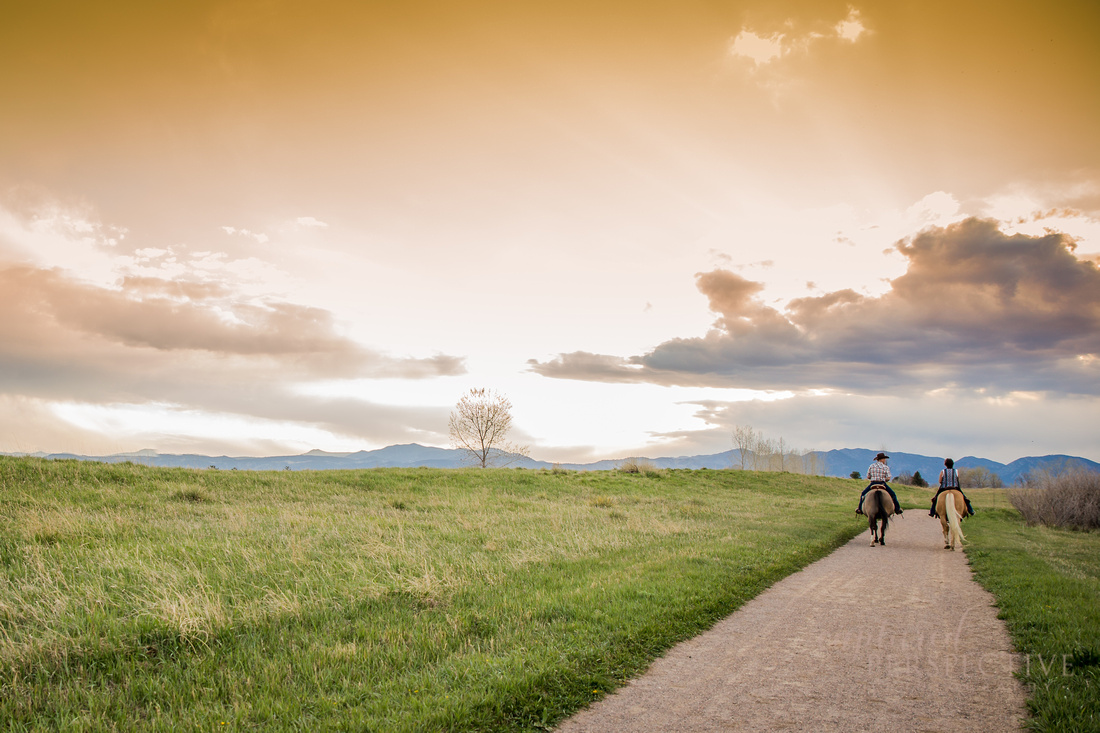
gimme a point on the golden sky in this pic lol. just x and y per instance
(261, 227)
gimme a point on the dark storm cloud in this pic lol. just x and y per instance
(976, 308)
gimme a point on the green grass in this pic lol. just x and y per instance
(138, 598)
(1047, 585)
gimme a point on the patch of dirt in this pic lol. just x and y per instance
(898, 637)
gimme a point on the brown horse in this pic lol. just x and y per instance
(951, 508)
(878, 505)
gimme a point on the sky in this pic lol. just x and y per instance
(261, 227)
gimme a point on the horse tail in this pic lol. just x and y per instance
(953, 517)
(873, 505)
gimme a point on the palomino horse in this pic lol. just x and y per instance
(878, 505)
(951, 508)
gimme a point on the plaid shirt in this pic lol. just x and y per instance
(878, 472)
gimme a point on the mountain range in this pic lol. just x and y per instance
(840, 462)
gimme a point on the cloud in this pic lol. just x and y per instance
(70, 295)
(976, 308)
(851, 28)
(763, 48)
(43, 232)
(760, 50)
(263, 421)
(40, 231)
(154, 339)
(259, 237)
(92, 324)
(309, 221)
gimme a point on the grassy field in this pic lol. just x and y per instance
(387, 599)
(1047, 585)
(136, 598)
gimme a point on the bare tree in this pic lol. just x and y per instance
(812, 463)
(479, 425)
(979, 477)
(744, 440)
(767, 455)
(761, 453)
(757, 452)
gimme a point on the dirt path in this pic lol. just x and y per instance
(891, 638)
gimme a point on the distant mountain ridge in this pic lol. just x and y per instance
(839, 462)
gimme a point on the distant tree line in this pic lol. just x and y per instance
(754, 451)
(969, 478)
(911, 479)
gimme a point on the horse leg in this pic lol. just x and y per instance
(873, 524)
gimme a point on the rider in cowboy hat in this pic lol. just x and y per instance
(878, 473)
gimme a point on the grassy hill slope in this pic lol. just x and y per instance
(383, 599)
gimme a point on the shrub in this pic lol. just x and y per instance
(1070, 499)
(855, 475)
(640, 465)
(629, 466)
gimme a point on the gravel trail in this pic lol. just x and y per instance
(888, 638)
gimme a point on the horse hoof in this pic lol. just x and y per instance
(947, 547)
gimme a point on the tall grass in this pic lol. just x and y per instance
(1047, 585)
(639, 465)
(387, 599)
